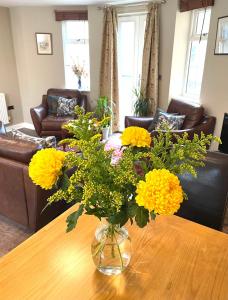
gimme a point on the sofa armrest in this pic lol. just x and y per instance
(143, 122)
(38, 114)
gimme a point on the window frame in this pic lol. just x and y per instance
(193, 36)
(68, 41)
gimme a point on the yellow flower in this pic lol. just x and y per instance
(161, 192)
(136, 136)
(45, 167)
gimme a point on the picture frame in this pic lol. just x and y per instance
(221, 43)
(44, 43)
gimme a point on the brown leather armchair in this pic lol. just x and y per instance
(195, 122)
(47, 125)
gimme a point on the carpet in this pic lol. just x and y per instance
(11, 235)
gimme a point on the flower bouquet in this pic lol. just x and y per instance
(134, 183)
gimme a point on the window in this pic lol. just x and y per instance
(131, 30)
(76, 51)
(196, 53)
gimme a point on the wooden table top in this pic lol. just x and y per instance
(172, 259)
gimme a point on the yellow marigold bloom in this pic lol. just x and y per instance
(161, 192)
(136, 136)
(45, 167)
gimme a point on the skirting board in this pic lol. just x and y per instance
(20, 125)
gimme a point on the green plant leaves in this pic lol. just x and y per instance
(72, 219)
(64, 182)
(142, 216)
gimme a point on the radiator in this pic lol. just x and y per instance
(3, 109)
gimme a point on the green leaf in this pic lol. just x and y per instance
(119, 218)
(64, 182)
(152, 215)
(142, 216)
(132, 210)
(72, 219)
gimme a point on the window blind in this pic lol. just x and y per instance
(69, 15)
(186, 5)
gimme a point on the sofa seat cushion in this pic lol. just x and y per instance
(17, 150)
(54, 123)
(193, 112)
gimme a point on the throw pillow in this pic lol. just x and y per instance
(66, 107)
(173, 122)
(158, 113)
(52, 102)
(46, 142)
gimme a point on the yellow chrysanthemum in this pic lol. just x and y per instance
(136, 136)
(45, 167)
(161, 192)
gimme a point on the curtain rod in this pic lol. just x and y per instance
(131, 4)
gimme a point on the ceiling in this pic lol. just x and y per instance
(10, 3)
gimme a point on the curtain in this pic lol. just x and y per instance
(149, 80)
(109, 66)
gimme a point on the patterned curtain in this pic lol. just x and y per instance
(109, 67)
(149, 81)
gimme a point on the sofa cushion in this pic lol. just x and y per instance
(154, 122)
(17, 150)
(52, 122)
(66, 107)
(52, 102)
(193, 112)
(173, 122)
(45, 142)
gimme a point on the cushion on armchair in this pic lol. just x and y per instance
(66, 107)
(173, 122)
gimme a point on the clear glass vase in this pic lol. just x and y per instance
(111, 249)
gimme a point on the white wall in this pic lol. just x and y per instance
(8, 72)
(95, 17)
(36, 73)
(214, 94)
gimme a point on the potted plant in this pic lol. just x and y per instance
(141, 105)
(103, 112)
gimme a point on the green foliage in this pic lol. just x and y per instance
(106, 189)
(141, 105)
(72, 219)
(103, 111)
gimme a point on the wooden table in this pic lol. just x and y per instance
(172, 259)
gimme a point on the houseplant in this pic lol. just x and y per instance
(103, 111)
(136, 185)
(141, 105)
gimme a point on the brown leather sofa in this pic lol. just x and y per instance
(48, 125)
(20, 199)
(195, 121)
(208, 193)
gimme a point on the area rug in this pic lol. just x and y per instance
(11, 235)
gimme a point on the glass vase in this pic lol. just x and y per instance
(111, 249)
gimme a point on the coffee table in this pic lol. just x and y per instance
(173, 258)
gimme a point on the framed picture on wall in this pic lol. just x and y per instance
(221, 46)
(44, 43)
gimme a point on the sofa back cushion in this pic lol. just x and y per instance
(193, 112)
(17, 150)
(52, 103)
